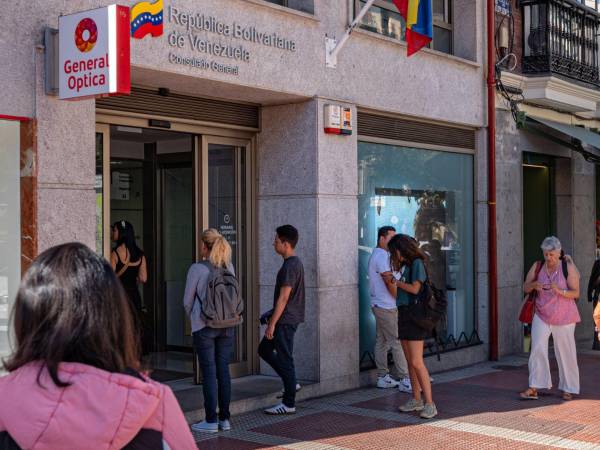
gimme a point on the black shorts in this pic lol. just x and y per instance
(407, 329)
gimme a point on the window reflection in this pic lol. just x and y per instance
(428, 195)
(383, 18)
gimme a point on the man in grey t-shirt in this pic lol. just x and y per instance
(277, 347)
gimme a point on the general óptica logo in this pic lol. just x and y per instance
(86, 35)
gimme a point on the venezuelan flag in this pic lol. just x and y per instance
(419, 23)
(147, 18)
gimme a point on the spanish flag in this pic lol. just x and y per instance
(419, 23)
(147, 18)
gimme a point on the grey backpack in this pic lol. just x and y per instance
(222, 304)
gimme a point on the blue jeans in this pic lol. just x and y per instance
(214, 347)
(277, 353)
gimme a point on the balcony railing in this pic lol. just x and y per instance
(561, 37)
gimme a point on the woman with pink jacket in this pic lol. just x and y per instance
(74, 380)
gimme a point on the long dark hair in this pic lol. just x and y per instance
(71, 308)
(127, 237)
(405, 246)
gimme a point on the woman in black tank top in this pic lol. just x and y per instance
(129, 263)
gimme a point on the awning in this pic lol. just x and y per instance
(575, 136)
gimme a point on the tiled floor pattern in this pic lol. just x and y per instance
(476, 412)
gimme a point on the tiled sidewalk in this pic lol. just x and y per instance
(479, 408)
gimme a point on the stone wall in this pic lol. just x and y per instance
(575, 218)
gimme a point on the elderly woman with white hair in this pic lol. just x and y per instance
(556, 280)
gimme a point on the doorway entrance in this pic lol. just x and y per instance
(539, 213)
(539, 204)
(170, 185)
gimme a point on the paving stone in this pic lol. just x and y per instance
(224, 443)
(481, 411)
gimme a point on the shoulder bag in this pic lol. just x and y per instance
(528, 307)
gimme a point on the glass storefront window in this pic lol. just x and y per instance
(10, 225)
(428, 195)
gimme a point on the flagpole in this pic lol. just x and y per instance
(332, 48)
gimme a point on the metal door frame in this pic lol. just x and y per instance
(203, 135)
(104, 130)
(252, 327)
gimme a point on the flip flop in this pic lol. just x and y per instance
(529, 394)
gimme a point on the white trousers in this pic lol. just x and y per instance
(566, 356)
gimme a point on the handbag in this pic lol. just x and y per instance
(528, 307)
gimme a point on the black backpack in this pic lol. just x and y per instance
(430, 307)
(222, 304)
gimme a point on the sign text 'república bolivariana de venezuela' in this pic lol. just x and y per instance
(190, 29)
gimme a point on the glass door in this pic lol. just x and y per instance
(176, 212)
(152, 182)
(171, 185)
(226, 196)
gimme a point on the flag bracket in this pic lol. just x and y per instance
(333, 47)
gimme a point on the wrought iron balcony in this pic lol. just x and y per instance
(561, 37)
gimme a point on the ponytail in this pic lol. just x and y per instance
(220, 250)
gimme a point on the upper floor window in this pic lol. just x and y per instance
(383, 18)
(307, 6)
(594, 4)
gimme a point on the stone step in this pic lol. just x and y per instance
(247, 394)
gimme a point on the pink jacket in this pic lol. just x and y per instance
(99, 410)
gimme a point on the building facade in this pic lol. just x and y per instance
(224, 128)
(546, 137)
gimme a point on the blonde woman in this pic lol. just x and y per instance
(213, 345)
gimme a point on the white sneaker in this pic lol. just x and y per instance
(386, 382)
(280, 395)
(405, 385)
(224, 425)
(205, 427)
(280, 409)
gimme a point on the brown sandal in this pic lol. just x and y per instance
(529, 394)
(567, 396)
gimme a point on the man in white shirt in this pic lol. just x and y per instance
(385, 310)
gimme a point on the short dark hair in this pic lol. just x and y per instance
(383, 231)
(71, 307)
(288, 233)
